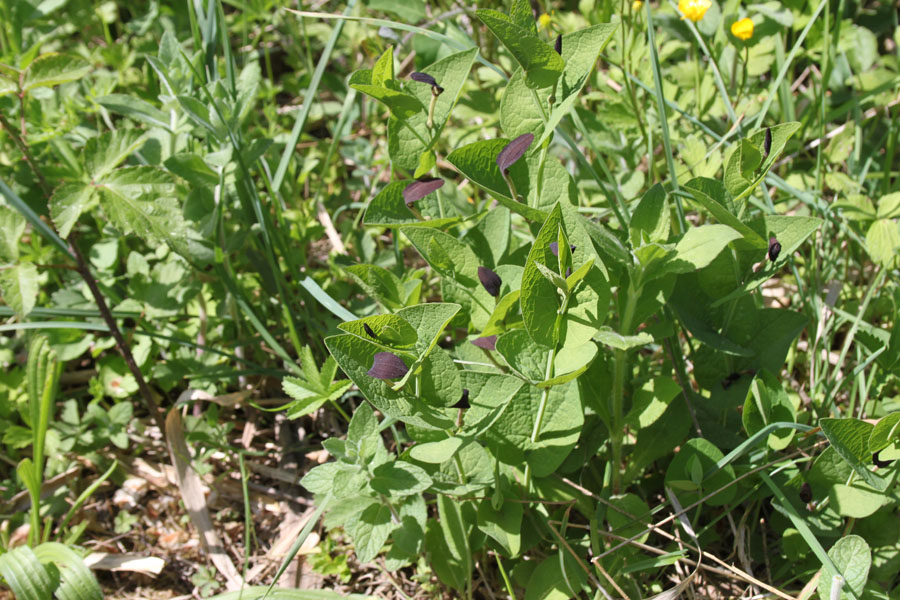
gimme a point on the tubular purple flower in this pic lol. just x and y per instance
(490, 280)
(426, 78)
(387, 366)
(514, 150)
(486, 343)
(420, 188)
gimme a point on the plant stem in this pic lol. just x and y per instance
(618, 400)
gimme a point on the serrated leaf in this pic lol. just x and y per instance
(54, 69)
(19, 285)
(141, 200)
(67, 204)
(12, 226)
(107, 151)
(369, 531)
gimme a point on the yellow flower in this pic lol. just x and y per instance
(544, 21)
(743, 29)
(693, 9)
(636, 5)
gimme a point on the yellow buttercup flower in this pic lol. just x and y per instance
(743, 29)
(544, 21)
(636, 5)
(693, 9)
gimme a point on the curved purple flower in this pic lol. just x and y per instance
(463, 402)
(486, 343)
(490, 280)
(558, 45)
(420, 188)
(514, 150)
(774, 248)
(387, 366)
(426, 78)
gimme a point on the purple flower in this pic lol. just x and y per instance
(486, 343)
(554, 248)
(558, 45)
(387, 366)
(426, 78)
(774, 248)
(767, 144)
(490, 280)
(369, 330)
(463, 402)
(513, 151)
(420, 188)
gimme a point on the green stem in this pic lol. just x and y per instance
(621, 369)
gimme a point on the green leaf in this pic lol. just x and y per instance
(549, 582)
(439, 382)
(390, 330)
(436, 452)
(852, 557)
(885, 433)
(539, 298)
(503, 526)
(889, 206)
(363, 424)
(78, 583)
(135, 108)
(629, 516)
(450, 72)
(560, 428)
(542, 65)
(20, 286)
(403, 106)
(478, 162)
(738, 181)
(378, 282)
(262, 592)
(699, 247)
(686, 473)
(8, 86)
(446, 254)
(383, 70)
(883, 241)
(355, 356)
(768, 403)
(369, 530)
(105, 152)
(68, 202)
(580, 50)
(429, 320)
(850, 439)
(651, 218)
(25, 575)
(54, 69)
(388, 209)
(12, 226)
(398, 479)
(141, 200)
(618, 341)
(857, 500)
(454, 528)
(711, 195)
